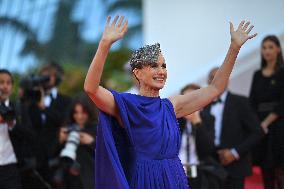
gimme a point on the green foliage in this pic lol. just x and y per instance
(114, 76)
(16, 79)
(67, 47)
(73, 80)
(134, 6)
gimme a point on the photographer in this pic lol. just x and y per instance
(76, 144)
(53, 106)
(15, 138)
(48, 111)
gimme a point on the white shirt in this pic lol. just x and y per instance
(7, 154)
(48, 99)
(193, 157)
(217, 111)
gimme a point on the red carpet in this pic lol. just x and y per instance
(254, 181)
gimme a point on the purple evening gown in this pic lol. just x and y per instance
(144, 153)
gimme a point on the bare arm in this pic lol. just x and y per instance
(103, 98)
(188, 103)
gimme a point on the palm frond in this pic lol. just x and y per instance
(32, 44)
(125, 4)
(18, 25)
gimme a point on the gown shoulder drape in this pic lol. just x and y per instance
(143, 152)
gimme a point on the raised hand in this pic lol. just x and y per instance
(241, 35)
(116, 30)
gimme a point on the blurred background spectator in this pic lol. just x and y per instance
(267, 99)
(76, 147)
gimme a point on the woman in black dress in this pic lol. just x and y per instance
(83, 116)
(267, 99)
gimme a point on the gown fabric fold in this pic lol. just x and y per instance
(143, 153)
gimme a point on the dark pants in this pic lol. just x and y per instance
(273, 178)
(205, 180)
(213, 183)
(10, 177)
(233, 183)
(70, 182)
(33, 180)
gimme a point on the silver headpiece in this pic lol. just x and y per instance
(146, 55)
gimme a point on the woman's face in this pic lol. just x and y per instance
(80, 116)
(270, 51)
(153, 76)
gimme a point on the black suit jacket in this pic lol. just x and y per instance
(204, 135)
(240, 130)
(46, 130)
(22, 138)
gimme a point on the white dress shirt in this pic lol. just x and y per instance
(217, 110)
(183, 153)
(48, 99)
(7, 154)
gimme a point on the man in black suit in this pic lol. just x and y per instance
(236, 131)
(48, 114)
(197, 147)
(15, 138)
(54, 106)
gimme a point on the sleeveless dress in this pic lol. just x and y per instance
(143, 154)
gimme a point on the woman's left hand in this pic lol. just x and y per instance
(63, 135)
(241, 35)
(86, 138)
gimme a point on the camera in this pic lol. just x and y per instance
(72, 142)
(8, 113)
(66, 162)
(31, 87)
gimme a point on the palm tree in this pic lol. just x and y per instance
(65, 36)
(20, 27)
(66, 44)
(133, 6)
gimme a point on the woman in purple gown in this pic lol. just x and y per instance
(138, 137)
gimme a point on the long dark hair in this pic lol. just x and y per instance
(87, 106)
(279, 60)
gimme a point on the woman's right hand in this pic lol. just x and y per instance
(115, 30)
(63, 135)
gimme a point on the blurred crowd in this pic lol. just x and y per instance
(222, 142)
(47, 140)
